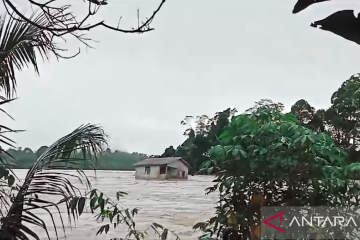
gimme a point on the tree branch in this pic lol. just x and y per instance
(61, 21)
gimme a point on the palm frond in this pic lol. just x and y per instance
(7, 162)
(19, 42)
(87, 140)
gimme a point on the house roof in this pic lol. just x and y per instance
(160, 161)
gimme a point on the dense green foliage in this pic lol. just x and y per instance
(201, 138)
(340, 120)
(206, 132)
(106, 160)
(264, 152)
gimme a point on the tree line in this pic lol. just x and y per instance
(303, 158)
(107, 160)
(340, 120)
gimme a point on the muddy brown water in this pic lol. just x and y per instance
(176, 205)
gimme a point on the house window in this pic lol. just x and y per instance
(182, 173)
(147, 170)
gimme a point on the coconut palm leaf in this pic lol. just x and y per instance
(19, 42)
(7, 162)
(87, 140)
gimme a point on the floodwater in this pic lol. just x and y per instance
(177, 205)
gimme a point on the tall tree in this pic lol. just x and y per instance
(308, 116)
(341, 120)
(267, 157)
(202, 133)
(194, 147)
(266, 104)
(169, 152)
(344, 116)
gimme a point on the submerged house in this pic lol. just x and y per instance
(162, 168)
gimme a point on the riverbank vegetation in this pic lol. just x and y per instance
(107, 160)
(340, 121)
(269, 158)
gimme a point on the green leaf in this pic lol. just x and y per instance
(93, 193)
(221, 218)
(226, 139)
(158, 225)
(209, 170)
(102, 204)
(249, 126)
(134, 211)
(101, 195)
(81, 205)
(101, 229)
(311, 138)
(228, 149)
(291, 117)
(243, 153)
(164, 234)
(120, 194)
(11, 180)
(235, 152)
(73, 203)
(198, 225)
(262, 150)
(107, 227)
(253, 164)
(127, 213)
(206, 164)
(297, 139)
(217, 150)
(92, 203)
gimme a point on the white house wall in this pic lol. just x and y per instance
(140, 172)
(183, 167)
(155, 171)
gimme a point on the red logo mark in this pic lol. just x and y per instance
(279, 215)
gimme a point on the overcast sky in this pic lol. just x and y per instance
(203, 57)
